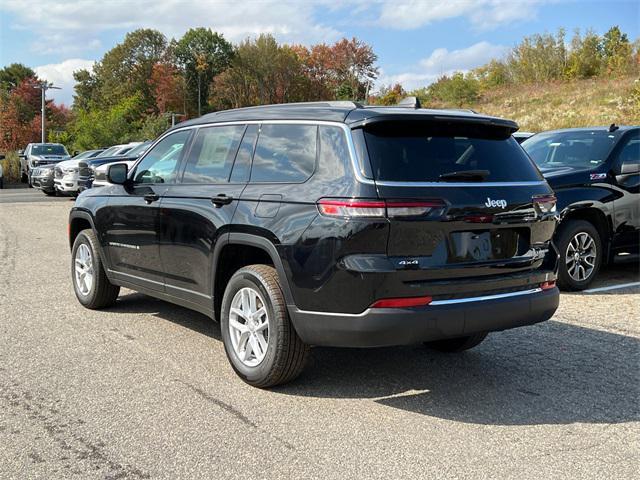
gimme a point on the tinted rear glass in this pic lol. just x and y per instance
(582, 149)
(413, 152)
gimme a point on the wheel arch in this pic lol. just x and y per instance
(239, 250)
(80, 220)
(597, 217)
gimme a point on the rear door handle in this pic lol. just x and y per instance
(151, 197)
(221, 199)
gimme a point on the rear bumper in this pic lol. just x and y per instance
(443, 319)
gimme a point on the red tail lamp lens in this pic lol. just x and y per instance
(402, 302)
(545, 203)
(376, 208)
(548, 285)
(351, 208)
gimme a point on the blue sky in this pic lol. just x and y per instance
(416, 40)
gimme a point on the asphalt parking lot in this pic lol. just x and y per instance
(143, 389)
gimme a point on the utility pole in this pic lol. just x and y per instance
(173, 117)
(44, 86)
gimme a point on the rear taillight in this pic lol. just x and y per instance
(351, 208)
(402, 302)
(548, 285)
(545, 203)
(377, 208)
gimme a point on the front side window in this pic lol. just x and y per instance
(630, 152)
(211, 157)
(580, 149)
(160, 163)
(285, 153)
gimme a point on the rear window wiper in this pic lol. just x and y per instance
(470, 175)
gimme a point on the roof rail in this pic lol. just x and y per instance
(409, 102)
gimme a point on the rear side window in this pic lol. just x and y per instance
(211, 157)
(415, 152)
(285, 153)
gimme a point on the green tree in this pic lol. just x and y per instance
(124, 71)
(12, 75)
(202, 54)
(109, 125)
(456, 90)
(585, 57)
(390, 95)
(617, 52)
(538, 58)
(261, 72)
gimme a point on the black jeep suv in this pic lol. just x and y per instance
(326, 224)
(595, 173)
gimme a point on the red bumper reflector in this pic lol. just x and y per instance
(548, 285)
(402, 302)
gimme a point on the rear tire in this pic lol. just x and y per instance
(458, 344)
(277, 355)
(572, 234)
(93, 290)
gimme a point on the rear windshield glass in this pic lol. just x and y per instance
(49, 150)
(428, 153)
(583, 149)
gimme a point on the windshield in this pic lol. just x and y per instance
(49, 150)
(85, 154)
(581, 149)
(109, 151)
(139, 150)
(427, 153)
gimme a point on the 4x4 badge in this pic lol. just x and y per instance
(496, 203)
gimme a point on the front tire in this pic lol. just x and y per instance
(90, 281)
(259, 339)
(50, 193)
(458, 344)
(581, 254)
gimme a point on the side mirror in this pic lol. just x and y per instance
(629, 168)
(22, 156)
(117, 173)
(1, 157)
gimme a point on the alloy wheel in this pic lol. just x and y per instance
(83, 269)
(581, 256)
(249, 326)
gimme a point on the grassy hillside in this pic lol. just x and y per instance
(565, 104)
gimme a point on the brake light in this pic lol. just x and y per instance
(548, 285)
(376, 208)
(545, 203)
(402, 302)
(351, 208)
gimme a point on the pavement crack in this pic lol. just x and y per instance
(235, 412)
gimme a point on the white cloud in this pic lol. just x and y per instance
(61, 75)
(483, 14)
(442, 60)
(71, 25)
(445, 62)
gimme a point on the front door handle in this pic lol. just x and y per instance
(151, 197)
(221, 199)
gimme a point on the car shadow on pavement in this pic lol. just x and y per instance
(552, 373)
(139, 303)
